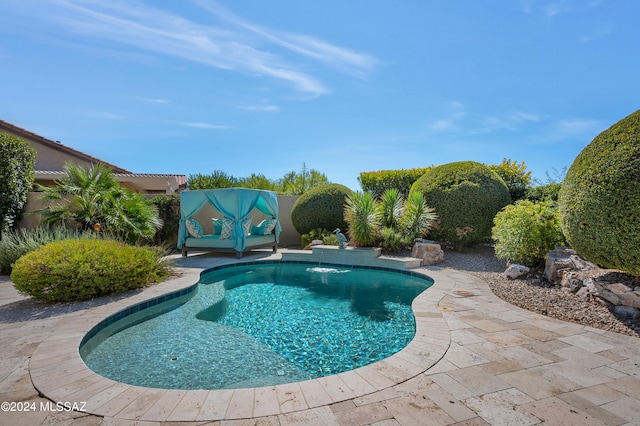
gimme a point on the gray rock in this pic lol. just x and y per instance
(515, 271)
(627, 312)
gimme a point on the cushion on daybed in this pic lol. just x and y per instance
(214, 241)
(194, 228)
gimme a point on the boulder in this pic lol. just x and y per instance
(562, 260)
(627, 312)
(428, 253)
(514, 271)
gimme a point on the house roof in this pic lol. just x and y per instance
(139, 181)
(20, 132)
(143, 182)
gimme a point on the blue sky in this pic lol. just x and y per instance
(193, 86)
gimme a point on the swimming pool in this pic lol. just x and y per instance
(259, 324)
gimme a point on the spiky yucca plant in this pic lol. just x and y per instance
(363, 216)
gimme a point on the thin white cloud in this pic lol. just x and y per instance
(106, 115)
(159, 101)
(599, 32)
(232, 44)
(469, 123)
(553, 8)
(579, 127)
(205, 126)
(265, 108)
(334, 56)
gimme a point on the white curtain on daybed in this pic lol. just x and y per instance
(232, 203)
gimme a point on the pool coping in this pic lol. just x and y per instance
(58, 372)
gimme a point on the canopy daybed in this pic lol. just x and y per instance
(233, 230)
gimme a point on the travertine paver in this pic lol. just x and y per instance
(475, 360)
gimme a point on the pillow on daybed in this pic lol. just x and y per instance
(264, 228)
(194, 228)
(227, 228)
(217, 225)
(246, 225)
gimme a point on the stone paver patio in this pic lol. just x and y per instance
(475, 360)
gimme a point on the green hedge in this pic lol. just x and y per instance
(70, 270)
(17, 162)
(599, 199)
(321, 207)
(378, 182)
(466, 196)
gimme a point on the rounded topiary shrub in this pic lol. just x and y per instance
(320, 207)
(599, 199)
(72, 270)
(466, 196)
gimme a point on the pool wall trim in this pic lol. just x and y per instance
(59, 374)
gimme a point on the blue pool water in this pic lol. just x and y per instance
(259, 325)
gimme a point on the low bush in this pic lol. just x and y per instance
(320, 207)
(328, 238)
(15, 244)
(525, 232)
(71, 270)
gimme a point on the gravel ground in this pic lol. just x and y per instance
(534, 293)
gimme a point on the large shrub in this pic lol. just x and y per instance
(515, 176)
(466, 197)
(169, 213)
(599, 199)
(72, 270)
(17, 161)
(320, 207)
(15, 244)
(525, 232)
(401, 180)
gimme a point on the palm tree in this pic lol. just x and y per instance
(91, 197)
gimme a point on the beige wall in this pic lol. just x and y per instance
(288, 238)
(52, 159)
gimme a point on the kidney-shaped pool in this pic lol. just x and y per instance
(258, 324)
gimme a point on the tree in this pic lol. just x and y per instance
(516, 177)
(257, 181)
(17, 162)
(91, 198)
(217, 179)
(294, 183)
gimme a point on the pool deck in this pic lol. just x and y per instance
(475, 360)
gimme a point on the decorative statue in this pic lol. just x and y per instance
(341, 238)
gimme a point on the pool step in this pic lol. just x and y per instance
(351, 256)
